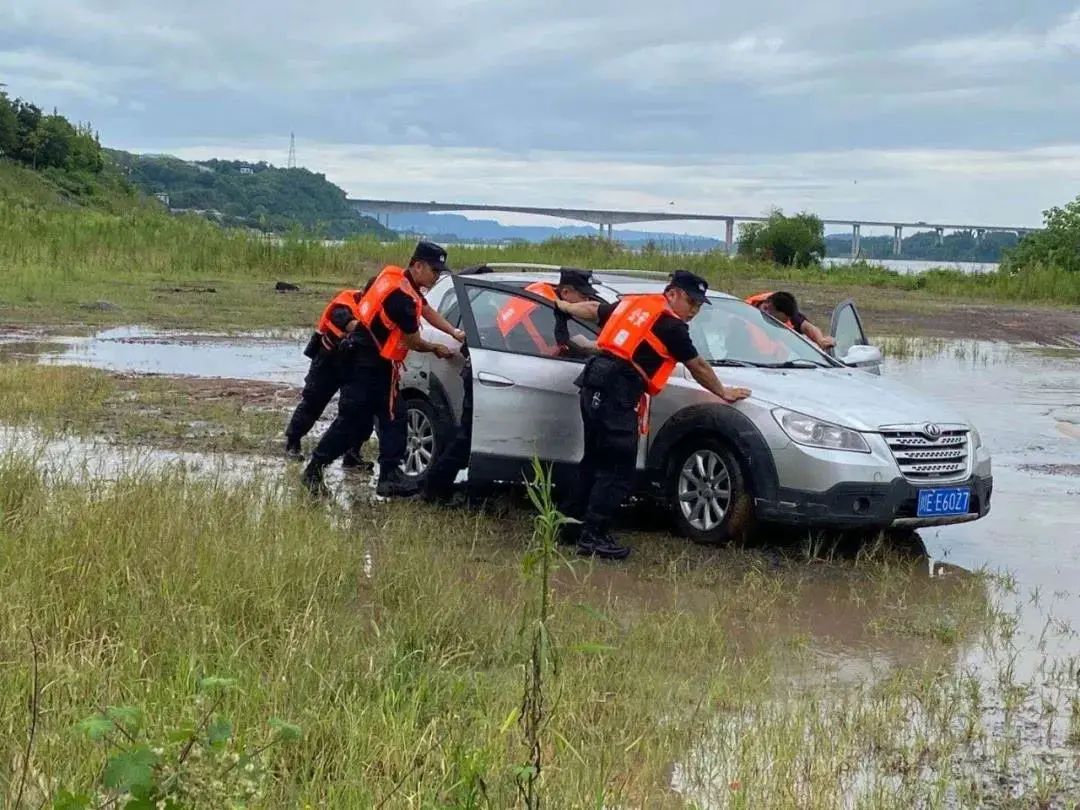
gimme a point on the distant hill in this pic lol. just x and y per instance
(458, 228)
(960, 246)
(252, 195)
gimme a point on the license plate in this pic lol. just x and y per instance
(943, 502)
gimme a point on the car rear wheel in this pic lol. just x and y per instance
(422, 438)
(707, 493)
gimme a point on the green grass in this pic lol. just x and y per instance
(392, 636)
(61, 255)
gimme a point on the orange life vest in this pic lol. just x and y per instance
(629, 326)
(371, 308)
(518, 312)
(331, 335)
(757, 300)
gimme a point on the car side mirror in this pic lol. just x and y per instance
(862, 356)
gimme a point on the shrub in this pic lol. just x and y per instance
(797, 241)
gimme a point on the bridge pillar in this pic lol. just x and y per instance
(855, 239)
(729, 235)
(610, 231)
(940, 235)
(979, 234)
(898, 240)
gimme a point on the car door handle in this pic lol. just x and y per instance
(494, 380)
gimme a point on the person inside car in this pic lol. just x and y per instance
(784, 307)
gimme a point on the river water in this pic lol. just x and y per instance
(908, 267)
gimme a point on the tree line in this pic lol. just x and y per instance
(41, 141)
(252, 195)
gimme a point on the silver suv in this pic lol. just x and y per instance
(823, 442)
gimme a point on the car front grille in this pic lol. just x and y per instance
(923, 459)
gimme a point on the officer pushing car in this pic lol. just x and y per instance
(386, 327)
(643, 338)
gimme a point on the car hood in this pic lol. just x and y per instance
(854, 399)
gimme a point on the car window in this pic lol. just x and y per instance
(849, 331)
(449, 309)
(517, 324)
(730, 330)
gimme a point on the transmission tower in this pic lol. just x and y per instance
(292, 150)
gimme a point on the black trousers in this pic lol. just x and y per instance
(608, 465)
(365, 402)
(323, 380)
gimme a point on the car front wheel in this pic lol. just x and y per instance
(707, 493)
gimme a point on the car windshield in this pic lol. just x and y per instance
(730, 332)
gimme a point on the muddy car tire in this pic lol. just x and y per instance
(707, 493)
(427, 434)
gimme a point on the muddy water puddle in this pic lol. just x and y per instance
(265, 357)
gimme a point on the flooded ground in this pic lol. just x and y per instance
(1025, 401)
(143, 350)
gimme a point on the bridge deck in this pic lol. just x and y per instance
(604, 217)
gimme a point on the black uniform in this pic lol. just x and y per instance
(368, 382)
(323, 380)
(610, 392)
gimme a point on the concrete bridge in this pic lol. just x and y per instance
(606, 220)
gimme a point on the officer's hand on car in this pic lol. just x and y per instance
(733, 393)
(458, 335)
(443, 352)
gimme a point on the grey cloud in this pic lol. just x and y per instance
(669, 84)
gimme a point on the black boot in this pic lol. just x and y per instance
(394, 484)
(601, 545)
(293, 451)
(312, 480)
(352, 462)
(569, 534)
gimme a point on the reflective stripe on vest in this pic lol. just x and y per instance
(331, 335)
(371, 308)
(518, 312)
(629, 326)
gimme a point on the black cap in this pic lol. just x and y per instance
(433, 254)
(580, 280)
(693, 285)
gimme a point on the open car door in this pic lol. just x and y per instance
(525, 402)
(852, 348)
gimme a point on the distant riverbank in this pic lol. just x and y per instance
(909, 267)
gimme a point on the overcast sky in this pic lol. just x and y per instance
(962, 110)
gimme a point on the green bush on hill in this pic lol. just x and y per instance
(251, 195)
(46, 141)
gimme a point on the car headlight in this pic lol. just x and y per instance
(803, 429)
(976, 439)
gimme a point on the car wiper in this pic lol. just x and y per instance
(730, 363)
(800, 363)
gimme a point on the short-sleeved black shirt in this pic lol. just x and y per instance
(671, 331)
